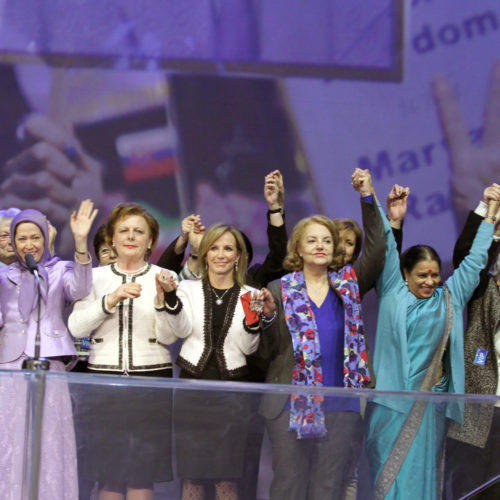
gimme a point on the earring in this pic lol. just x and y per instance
(235, 265)
(406, 282)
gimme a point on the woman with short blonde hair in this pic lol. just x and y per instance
(318, 340)
(294, 261)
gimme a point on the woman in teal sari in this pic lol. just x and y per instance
(419, 347)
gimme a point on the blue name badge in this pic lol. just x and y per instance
(480, 358)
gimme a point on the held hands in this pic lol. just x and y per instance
(491, 193)
(362, 182)
(196, 234)
(165, 282)
(125, 291)
(186, 227)
(191, 227)
(182, 240)
(397, 205)
(491, 196)
(274, 190)
(258, 305)
(262, 303)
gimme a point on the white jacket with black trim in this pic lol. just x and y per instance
(190, 319)
(130, 337)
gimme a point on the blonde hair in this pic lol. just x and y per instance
(293, 261)
(215, 232)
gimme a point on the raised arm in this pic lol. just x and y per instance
(371, 262)
(397, 203)
(80, 223)
(260, 275)
(191, 269)
(78, 277)
(464, 241)
(391, 277)
(173, 255)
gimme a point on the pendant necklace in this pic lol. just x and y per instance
(218, 299)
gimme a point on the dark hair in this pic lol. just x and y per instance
(413, 255)
(351, 225)
(100, 239)
(248, 246)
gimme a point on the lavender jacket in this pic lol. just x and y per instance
(61, 282)
(68, 281)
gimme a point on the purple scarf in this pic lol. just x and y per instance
(306, 414)
(307, 418)
(28, 287)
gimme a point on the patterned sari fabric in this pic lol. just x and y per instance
(307, 418)
(404, 448)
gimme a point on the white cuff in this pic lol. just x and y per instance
(482, 209)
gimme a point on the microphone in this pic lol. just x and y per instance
(35, 363)
(32, 265)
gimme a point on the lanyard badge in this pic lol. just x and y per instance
(480, 358)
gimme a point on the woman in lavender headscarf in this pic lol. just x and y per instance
(60, 283)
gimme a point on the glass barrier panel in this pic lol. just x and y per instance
(106, 432)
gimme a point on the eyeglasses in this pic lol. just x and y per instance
(4, 236)
(104, 252)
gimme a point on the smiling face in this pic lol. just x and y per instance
(222, 255)
(316, 246)
(348, 241)
(7, 255)
(29, 239)
(131, 238)
(424, 278)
